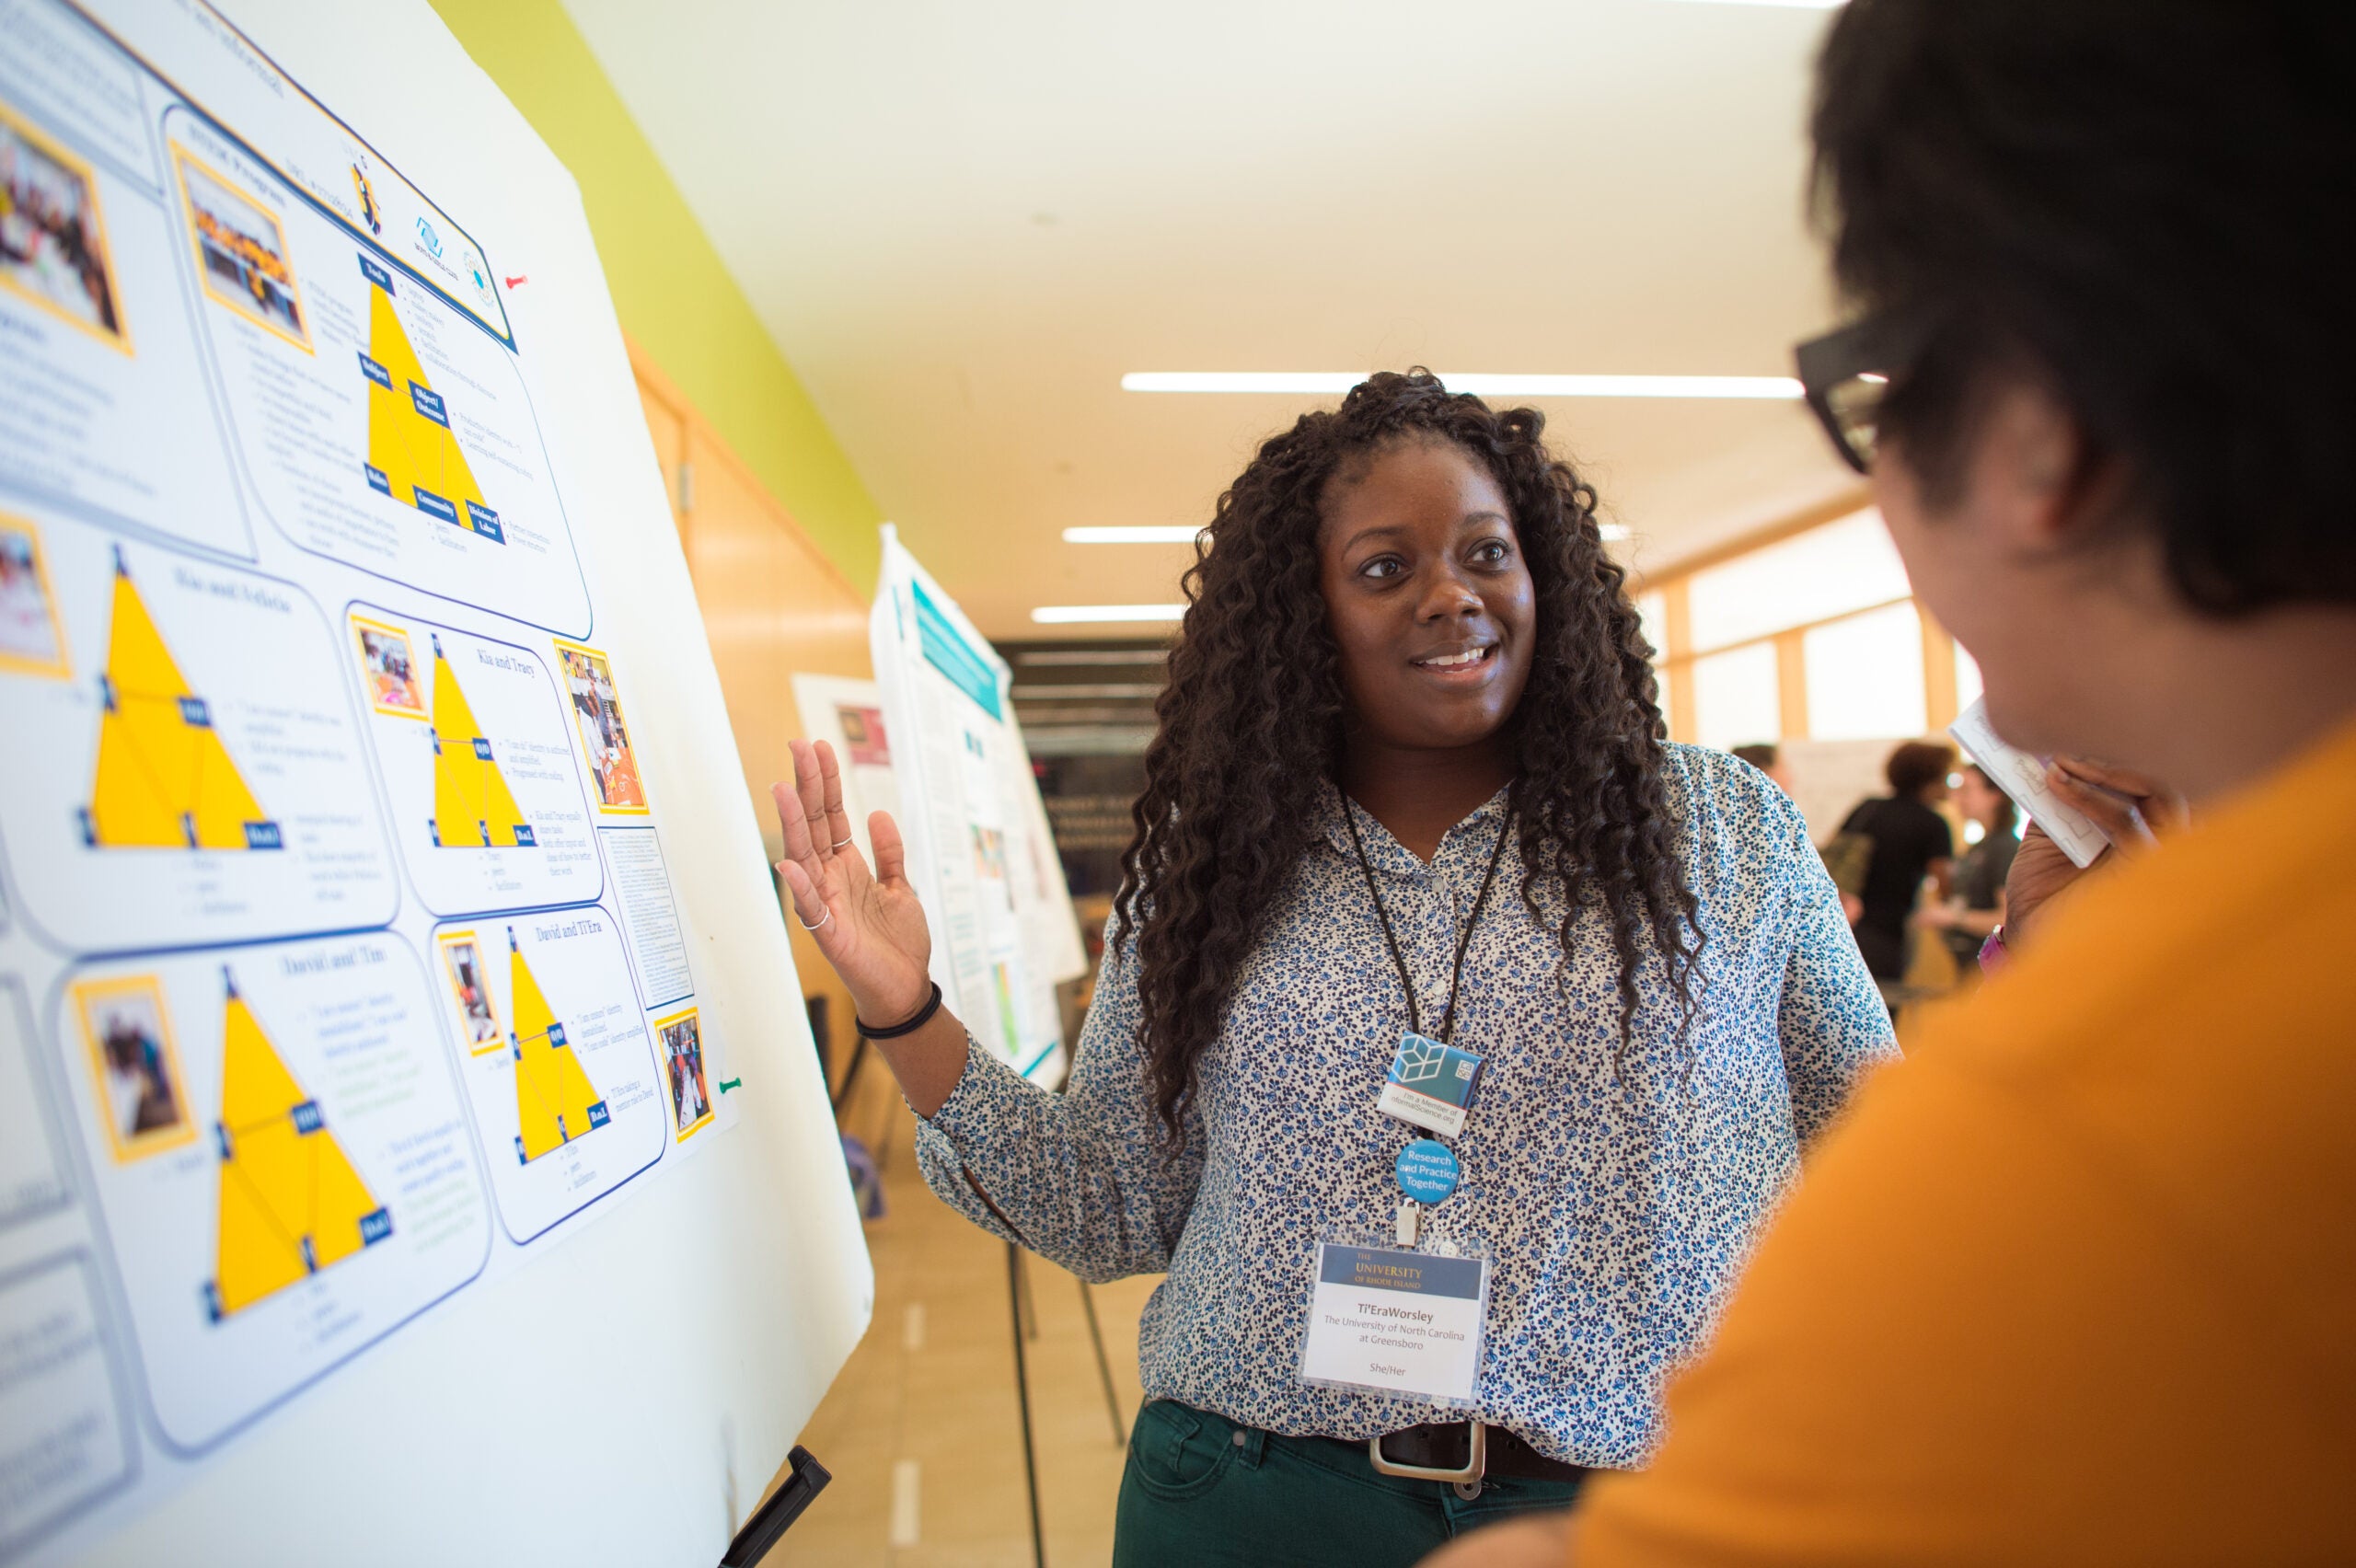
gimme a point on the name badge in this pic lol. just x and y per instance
(1397, 1323)
(1430, 1085)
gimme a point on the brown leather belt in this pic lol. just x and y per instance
(1462, 1452)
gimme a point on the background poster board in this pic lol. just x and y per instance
(411, 1143)
(849, 715)
(979, 849)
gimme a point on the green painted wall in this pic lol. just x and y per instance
(674, 295)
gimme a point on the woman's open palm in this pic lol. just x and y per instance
(870, 927)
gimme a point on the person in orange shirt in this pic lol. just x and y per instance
(2076, 1283)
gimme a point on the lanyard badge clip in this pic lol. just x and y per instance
(1430, 1085)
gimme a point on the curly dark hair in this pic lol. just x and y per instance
(1251, 723)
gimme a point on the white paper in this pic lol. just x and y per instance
(1401, 1322)
(2022, 776)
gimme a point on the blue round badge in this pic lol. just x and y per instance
(1427, 1170)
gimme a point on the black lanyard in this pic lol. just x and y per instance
(1456, 975)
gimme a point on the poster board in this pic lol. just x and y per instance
(409, 1129)
(979, 848)
(847, 714)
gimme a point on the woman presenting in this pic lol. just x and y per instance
(1454, 1031)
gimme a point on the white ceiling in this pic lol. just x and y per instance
(964, 221)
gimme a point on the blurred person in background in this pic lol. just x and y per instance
(1975, 907)
(1768, 758)
(2071, 1284)
(1910, 841)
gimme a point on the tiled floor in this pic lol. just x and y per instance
(921, 1429)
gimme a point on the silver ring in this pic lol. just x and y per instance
(840, 844)
(822, 921)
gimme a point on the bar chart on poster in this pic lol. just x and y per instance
(366, 930)
(979, 848)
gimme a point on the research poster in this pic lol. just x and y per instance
(341, 965)
(849, 715)
(980, 850)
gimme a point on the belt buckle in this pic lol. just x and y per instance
(1467, 1481)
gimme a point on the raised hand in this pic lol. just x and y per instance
(869, 926)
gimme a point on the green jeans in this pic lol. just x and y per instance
(1200, 1490)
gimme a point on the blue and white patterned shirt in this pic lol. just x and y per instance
(1616, 1189)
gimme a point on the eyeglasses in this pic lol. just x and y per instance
(1846, 373)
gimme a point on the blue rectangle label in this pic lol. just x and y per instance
(377, 479)
(947, 650)
(375, 373)
(1420, 1273)
(429, 502)
(375, 274)
(1440, 1072)
(486, 522)
(428, 402)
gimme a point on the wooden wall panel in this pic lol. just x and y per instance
(669, 429)
(772, 606)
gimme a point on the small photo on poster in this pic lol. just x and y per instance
(138, 1070)
(390, 672)
(683, 1058)
(53, 240)
(241, 254)
(989, 853)
(864, 733)
(478, 1016)
(589, 682)
(32, 640)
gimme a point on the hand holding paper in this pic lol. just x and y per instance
(2023, 778)
(2078, 812)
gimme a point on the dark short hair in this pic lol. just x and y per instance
(1915, 766)
(1761, 755)
(2143, 202)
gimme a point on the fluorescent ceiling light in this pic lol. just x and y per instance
(1324, 383)
(1613, 533)
(1072, 615)
(1138, 534)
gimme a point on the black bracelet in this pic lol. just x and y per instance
(924, 1015)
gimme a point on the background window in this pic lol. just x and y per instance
(1864, 676)
(1825, 572)
(1966, 679)
(1735, 697)
(1653, 611)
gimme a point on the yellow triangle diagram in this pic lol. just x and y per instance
(164, 781)
(555, 1102)
(291, 1202)
(472, 805)
(413, 455)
